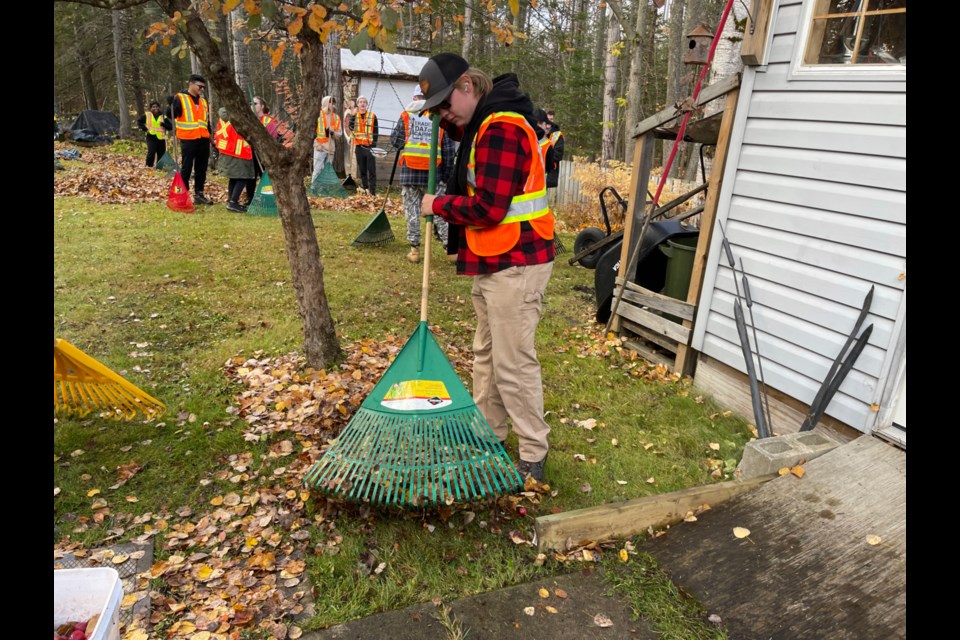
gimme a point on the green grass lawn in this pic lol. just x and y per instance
(166, 299)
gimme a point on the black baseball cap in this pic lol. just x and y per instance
(438, 75)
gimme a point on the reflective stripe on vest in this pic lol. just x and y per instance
(530, 205)
(363, 132)
(230, 143)
(322, 125)
(416, 152)
(155, 125)
(265, 119)
(192, 123)
(545, 144)
(556, 135)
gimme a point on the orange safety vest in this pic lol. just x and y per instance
(265, 119)
(230, 143)
(363, 132)
(192, 123)
(530, 205)
(416, 151)
(155, 125)
(322, 125)
(545, 144)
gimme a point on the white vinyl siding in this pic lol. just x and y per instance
(814, 203)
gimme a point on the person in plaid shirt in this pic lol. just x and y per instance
(502, 232)
(411, 136)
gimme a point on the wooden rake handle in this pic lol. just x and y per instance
(428, 230)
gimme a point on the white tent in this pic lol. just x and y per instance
(387, 80)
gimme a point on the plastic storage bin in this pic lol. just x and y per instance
(80, 593)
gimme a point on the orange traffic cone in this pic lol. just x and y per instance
(179, 198)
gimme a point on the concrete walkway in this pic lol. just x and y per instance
(806, 570)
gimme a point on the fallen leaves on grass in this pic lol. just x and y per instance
(237, 566)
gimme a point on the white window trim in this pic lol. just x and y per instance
(839, 72)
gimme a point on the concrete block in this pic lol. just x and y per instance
(769, 455)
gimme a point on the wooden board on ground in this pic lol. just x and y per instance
(625, 519)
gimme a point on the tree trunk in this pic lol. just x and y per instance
(123, 109)
(726, 58)
(675, 67)
(223, 34)
(467, 29)
(634, 100)
(136, 74)
(333, 77)
(90, 100)
(303, 253)
(241, 55)
(608, 150)
(139, 96)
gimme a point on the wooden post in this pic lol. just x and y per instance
(753, 51)
(637, 199)
(684, 361)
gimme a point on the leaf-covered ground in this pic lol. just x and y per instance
(239, 563)
(112, 178)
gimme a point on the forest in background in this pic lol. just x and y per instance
(602, 67)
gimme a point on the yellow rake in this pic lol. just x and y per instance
(81, 385)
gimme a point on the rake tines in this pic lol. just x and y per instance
(415, 461)
(377, 232)
(82, 385)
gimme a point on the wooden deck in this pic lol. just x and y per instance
(806, 569)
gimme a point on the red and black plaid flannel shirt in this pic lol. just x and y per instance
(503, 158)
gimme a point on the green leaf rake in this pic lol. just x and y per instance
(418, 439)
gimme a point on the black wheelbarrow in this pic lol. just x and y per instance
(589, 244)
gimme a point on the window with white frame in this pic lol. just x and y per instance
(857, 32)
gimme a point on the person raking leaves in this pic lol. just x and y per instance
(502, 231)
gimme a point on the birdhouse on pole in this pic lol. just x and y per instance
(698, 46)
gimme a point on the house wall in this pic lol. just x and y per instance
(814, 203)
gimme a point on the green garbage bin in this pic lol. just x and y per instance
(680, 253)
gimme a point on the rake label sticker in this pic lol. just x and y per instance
(417, 395)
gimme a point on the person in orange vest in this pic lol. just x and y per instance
(497, 200)
(271, 124)
(556, 137)
(411, 136)
(156, 125)
(328, 129)
(263, 114)
(236, 160)
(350, 154)
(545, 141)
(191, 119)
(364, 126)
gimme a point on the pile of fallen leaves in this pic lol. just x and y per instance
(112, 178)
